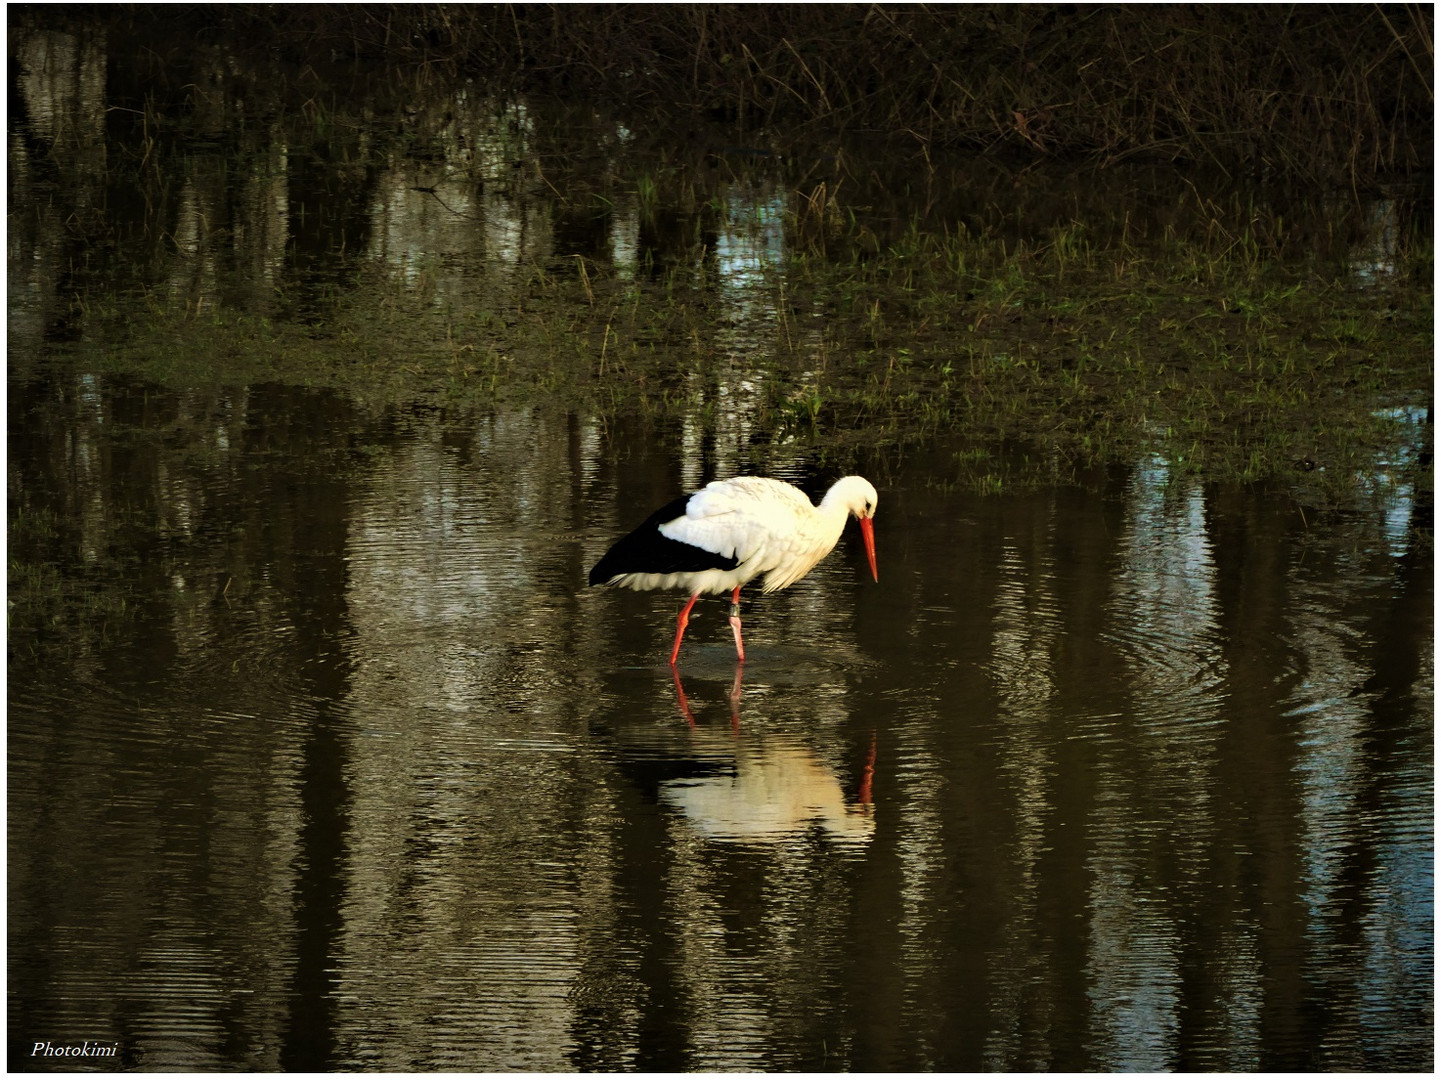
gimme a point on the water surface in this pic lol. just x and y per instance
(1136, 777)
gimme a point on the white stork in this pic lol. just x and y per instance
(734, 530)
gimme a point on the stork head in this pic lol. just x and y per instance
(857, 495)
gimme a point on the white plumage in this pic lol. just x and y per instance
(731, 532)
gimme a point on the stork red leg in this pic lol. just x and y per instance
(736, 623)
(680, 625)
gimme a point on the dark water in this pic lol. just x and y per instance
(1134, 778)
(322, 756)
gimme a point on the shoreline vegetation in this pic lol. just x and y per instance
(1243, 337)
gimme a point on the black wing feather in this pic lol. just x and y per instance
(646, 551)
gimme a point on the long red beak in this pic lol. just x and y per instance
(868, 534)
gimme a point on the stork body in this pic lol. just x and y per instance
(731, 532)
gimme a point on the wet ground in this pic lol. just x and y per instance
(321, 755)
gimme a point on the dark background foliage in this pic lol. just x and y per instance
(1321, 93)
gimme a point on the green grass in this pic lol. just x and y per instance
(1242, 380)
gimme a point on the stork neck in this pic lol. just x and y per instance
(831, 515)
(834, 503)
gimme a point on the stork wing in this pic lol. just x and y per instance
(741, 517)
(647, 550)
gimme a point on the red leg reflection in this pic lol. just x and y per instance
(735, 698)
(680, 699)
(868, 773)
(683, 703)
